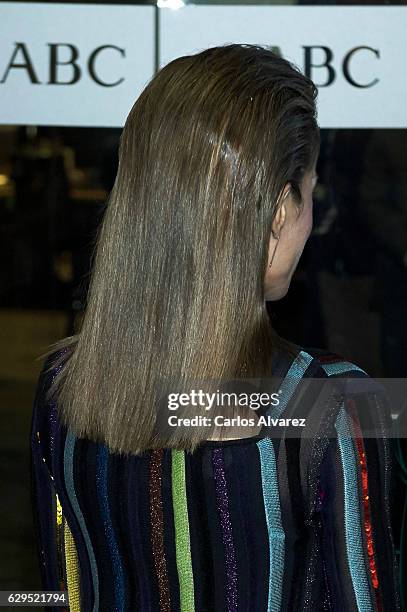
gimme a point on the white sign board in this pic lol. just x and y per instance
(355, 54)
(65, 64)
(85, 65)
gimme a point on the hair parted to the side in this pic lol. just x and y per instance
(177, 282)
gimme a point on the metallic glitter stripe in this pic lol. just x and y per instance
(117, 567)
(182, 538)
(59, 510)
(366, 506)
(290, 382)
(328, 603)
(340, 367)
(275, 529)
(59, 541)
(226, 527)
(72, 570)
(70, 489)
(353, 521)
(157, 529)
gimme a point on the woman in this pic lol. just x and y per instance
(216, 170)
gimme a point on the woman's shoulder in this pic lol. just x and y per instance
(348, 394)
(340, 373)
(43, 411)
(311, 361)
(332, 363)
(349, 376)
(52, 363)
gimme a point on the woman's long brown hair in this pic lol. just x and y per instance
(177, 282)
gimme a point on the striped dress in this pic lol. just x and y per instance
(250, 525)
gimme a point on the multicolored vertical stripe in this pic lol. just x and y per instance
(72, 570)
(59, 542)
(353, 520)
(157, 529)
(101, 482)
(182, 538)
(352, 457)
(274, 524)
(365, 500)
(290, 382)
(69, 449)
(226, 527)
